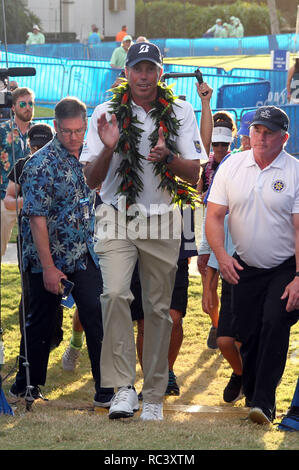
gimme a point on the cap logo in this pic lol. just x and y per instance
(266, 114)
(143, 49)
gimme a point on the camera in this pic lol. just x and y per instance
(5, 94)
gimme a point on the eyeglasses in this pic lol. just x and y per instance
(24, 104)
(223, 144)
(69, 132)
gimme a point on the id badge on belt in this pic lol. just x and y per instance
(84, 205)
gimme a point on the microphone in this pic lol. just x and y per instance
(21, 71)
(17, 72)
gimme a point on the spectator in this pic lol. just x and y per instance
(215, 31)
(149, 147)
(94, 36)
(224, 33)
(259, 188)
(223, 134)
(226, 334)
(121, 34)
(243, 132)
(237, 30)
(36, 37)
(293, 82)
(119, 55)
(179, 300)
(230, 26)
(141, 39)
(38, 135)
(12, 149)
(53, 182)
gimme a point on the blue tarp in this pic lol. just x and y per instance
(171, 47)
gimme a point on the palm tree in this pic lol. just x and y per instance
(274, 24)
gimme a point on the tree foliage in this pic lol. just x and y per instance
(19, 20)
(158, 19)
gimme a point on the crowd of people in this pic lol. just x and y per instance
(92, 199)
(233, 29)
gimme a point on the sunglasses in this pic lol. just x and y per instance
(24, 104)
(223, 144)
(69, 132)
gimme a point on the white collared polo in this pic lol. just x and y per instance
(152, 198)
(260, 204)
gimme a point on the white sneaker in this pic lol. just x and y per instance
(124, 403)
(70, 358)
(152, 411)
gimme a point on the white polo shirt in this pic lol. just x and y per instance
(189, 145)
(261, 204)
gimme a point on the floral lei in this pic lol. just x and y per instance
(131, 167)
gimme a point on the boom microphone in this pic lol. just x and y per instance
(18, 72)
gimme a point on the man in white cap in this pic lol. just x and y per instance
(259, 190)
(119, 55)
(237, 29)
(36, 37)
(216, 30)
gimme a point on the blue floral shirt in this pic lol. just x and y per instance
(21, 149)
(53, 186)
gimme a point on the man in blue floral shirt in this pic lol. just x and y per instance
(57, 233)
(22, 106)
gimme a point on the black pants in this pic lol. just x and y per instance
(41, 320)
(263, 327)
(24, 302)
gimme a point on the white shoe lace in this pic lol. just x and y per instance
(121, 395)
(152, 409)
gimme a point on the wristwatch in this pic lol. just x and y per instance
(297, 274)
(169, 158)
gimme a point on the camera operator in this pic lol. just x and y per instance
(14, 138)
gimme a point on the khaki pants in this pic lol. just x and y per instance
(157, 259)
(8, 220)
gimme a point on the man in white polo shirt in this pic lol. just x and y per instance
(136, 144)
(260, 190)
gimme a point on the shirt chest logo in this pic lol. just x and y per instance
(278, 186)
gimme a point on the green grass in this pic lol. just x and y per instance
(68, 421)
(43, 112)
(262, 61)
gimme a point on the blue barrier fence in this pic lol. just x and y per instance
(91, 84)
(277, 78)
(186, 86)
(245, 94)
(171, 47)
(90, 81)
(292, 111)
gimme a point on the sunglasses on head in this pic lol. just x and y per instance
(223, 144)
(23, 104)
